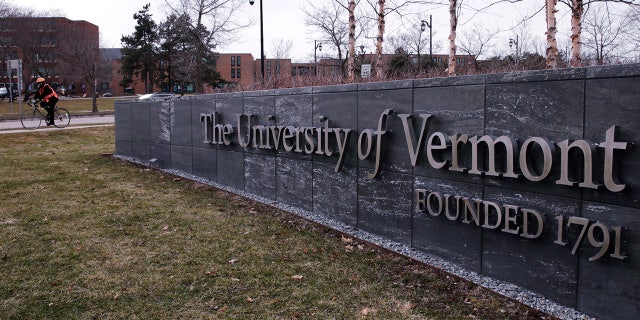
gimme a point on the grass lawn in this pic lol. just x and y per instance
(86, 236)
(74, 105)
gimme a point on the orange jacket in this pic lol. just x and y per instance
(45, 93)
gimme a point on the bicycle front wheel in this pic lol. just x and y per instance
(31, 119)
(61, 118)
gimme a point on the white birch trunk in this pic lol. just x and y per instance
(352, 41)
(452, 37)
(577, 10)
(552, 44)
(380, 39)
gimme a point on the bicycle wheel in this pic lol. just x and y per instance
(31, 119)
(61, 117)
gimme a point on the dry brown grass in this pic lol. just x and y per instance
(84, 236)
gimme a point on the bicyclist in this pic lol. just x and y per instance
(48, 96)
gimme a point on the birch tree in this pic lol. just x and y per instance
(551, 61)
(577, 8)
(454, 6)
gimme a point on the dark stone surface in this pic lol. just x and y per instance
(556, 105)
(384, 205)
(260, 175)
(609, 287)
(621, 100)
(160, 123)
(199, 107)
(140, 123)
(294, 182)
(162, 154)
(371, 105)
(261, 107)
(122, 116)
(538, 75)
(449, 239)
(341, 110)
(205, 163)
(228, 111)
(123, 148)
(182, 158)
(537, 264)
(141, 150)
(536, 109)
(454, 110)
(295, 111)
(181, 123)
(230, 165)
(335, 193)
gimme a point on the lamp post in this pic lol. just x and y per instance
(423, 27)
(251, 2)
(515, 42)
(317, 46)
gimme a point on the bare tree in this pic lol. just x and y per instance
(281, 50)
(475, 41)
(213, 23)
(328, 19)
(80, 56)
(603, 32)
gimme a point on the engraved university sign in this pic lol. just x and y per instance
(530, 178)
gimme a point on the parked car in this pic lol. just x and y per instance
(4, 93)
(158, 96)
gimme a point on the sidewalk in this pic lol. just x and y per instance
(77, 122)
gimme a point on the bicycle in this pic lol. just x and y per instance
(32, 118)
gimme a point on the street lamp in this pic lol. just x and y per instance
(423, 27)
(317, 46)
(251, 2)
(515, 42)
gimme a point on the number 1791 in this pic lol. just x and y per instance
(598, 235)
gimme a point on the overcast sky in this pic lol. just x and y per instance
(283, 19)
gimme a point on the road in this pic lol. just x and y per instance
(14, 126)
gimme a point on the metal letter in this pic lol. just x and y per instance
(525, 223)
(432, 146)
(438, 197)
(342, 145)
(409, 134)
(546, 148)
(454, 151)
(609, 145)
(587, 165)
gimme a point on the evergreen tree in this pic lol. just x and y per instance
(139, 53)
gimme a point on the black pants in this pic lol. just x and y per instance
(50, 107)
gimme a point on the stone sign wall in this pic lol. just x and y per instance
(531, 178)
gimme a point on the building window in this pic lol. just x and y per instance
(233, 61)
(269, 65)
(238, 63)
(238, 72)
(233, 73)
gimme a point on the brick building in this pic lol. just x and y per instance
(49, 47)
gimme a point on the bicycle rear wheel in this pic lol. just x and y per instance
(61, 117)
(31, 119)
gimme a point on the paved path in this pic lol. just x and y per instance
(14, 126)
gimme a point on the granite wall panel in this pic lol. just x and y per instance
(586, 253)
(335, 193)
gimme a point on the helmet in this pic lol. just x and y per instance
(40, 80)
